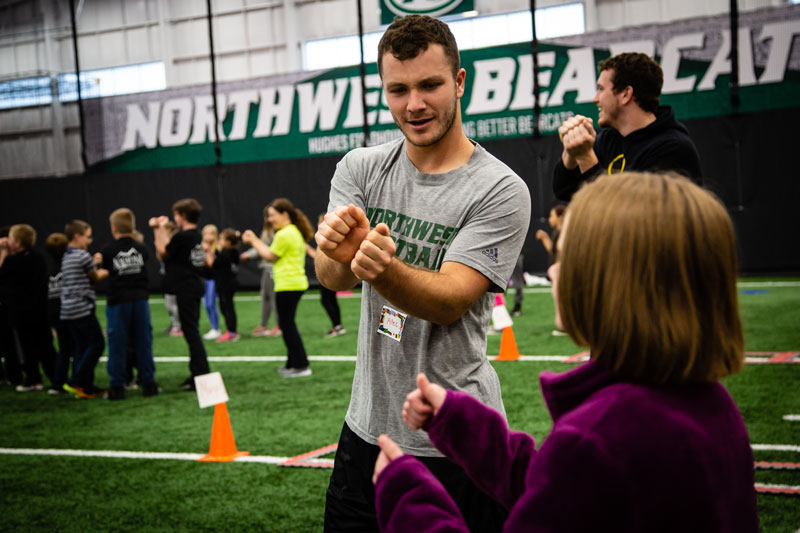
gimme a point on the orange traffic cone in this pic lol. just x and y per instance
(508, 346)
(501, 318)
(223, 447)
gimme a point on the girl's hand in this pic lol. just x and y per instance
(423, 403)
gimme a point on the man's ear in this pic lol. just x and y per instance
(627, 94)
(461, 76)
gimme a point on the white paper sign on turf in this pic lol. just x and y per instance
(210, 389)
(500, 318)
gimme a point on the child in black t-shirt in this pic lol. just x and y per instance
(224, 265)
(127, 309)
(23, 291)
(185, 267)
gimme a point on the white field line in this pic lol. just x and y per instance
(776, 447)
(792, 418)
(133, 455)
(778, 487)
(527, 290)
(756, 284)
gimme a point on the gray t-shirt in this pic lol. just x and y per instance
(476, 215)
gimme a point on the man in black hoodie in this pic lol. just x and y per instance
(636, 133)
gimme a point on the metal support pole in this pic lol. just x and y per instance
(220, 171)
(78, 84)
(362, 67)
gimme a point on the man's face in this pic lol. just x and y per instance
(423, 95)
(608, 102)
(83, 241)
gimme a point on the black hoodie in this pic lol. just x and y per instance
(663, 145)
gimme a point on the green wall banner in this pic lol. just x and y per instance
(320, 113)
(435, 8)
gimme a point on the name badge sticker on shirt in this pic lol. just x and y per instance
(392, 323)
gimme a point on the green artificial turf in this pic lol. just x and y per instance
(271, 416)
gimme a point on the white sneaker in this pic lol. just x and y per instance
(336, 331)
(294, 372)
(212, 334)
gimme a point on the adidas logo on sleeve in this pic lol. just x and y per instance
(491, 253)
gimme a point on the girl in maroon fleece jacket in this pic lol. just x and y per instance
(644, 436)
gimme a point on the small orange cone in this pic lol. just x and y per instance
(508, 346)
(223, 447)
(500, 317)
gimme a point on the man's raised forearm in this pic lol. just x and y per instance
(439, 297)
(333, 274)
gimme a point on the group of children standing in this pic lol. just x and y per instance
(36, 299)
(33, 300)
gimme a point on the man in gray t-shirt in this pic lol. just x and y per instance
(433, 224)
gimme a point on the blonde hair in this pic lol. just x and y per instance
(211, 229)
(24, 234)
(123, 220)
(648, 279)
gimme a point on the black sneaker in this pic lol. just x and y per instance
(188, 384)
(116, 393)
(151, 389)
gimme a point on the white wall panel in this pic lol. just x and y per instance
(181, 36)
(142, 44)
(229, 34)
(26, 58)
(232, 67)
(186, 8)
(260, 27)
(189, 72)
(110, 13)
(226, 5)
(139, 11)
(190, 38)
(89, 52)
(277, 27)
(8, 62)
(340, 18)
(263, 63)
(66, 59)
(112, 51)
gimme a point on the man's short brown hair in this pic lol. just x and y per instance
(648, 279)
(407, 37)
(123, 220)
(76, 227)
(638, 71)
(24, 234)
(188, 208)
